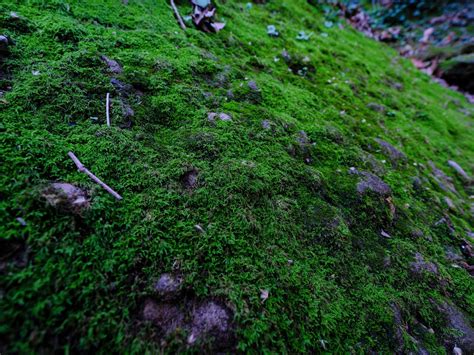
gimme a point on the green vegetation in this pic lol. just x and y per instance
(279, 208)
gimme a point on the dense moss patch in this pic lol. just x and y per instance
(267, 200)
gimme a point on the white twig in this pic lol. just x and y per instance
(84, 170)
(107, 108)
(178, 16)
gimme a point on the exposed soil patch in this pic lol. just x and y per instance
(189, 179)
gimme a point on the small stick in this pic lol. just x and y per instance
(178, 16)
(86, 171)
(107, 108)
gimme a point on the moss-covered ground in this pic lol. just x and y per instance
(279, 209)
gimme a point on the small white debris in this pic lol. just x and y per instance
(384, 161)
(199, 229)
(457, 351)
(21, 221)
(385, 234)
(264, 295)
(35, 72)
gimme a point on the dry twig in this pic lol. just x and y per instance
(178, 16)
(86, 171)
(107, 108)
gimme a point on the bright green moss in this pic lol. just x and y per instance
(258, 201)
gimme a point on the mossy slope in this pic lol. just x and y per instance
(280, 208)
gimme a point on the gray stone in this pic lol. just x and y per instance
(253, 86)
(452, 255)
(190, 179)
(5, 43)
(420, 265)
(372, 163)
(417, 183)
(166, 316)
(302, 138)
(224, 117)
(459, 170)
(210, 319)
(443, 181)
(113, 65)
(450, 203)
(371, 182)
(127, 110)
(398, 328)
(168, 286)
(376, 107)
(67, 197)
(124, 90)
(459, 322)
(303, 147)
(211, 117)
(391, 152)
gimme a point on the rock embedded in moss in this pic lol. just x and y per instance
(212, 320)
(459, 170)
(371, 182)
(395, 155)
(166, 316)
(66, 197)
(463, 336)
(168, 286)
(253, 86)
(113, 65)
(190, 179)
(376, 107)
(420, 265)
(444, 181)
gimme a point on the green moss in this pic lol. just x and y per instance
(263, 197)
